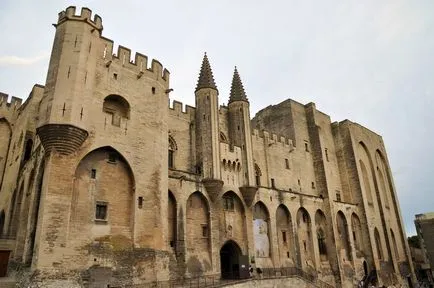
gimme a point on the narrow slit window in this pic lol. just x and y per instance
(93, 173)
(287, 163)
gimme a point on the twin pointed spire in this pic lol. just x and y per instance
(237, 89)
(206, 80)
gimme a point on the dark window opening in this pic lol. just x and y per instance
(140, 202)
(171, 159)
(299, 182)
(112, 157)
(153, 90)
(93, 173)
(304, 245)
(287, 254)
(338, 197)
(115, 76)
(305, 219)
(313, 185)
(287, 163)
(273, 184)
(258, 180)
(284, 236)
(228, 203)
(101, 211)
(172, 243)
(204, 230)
(28, 150)
(326, 154)
(306, 147)
(321, 243)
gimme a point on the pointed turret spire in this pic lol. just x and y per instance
(237, 89)
(206, 79)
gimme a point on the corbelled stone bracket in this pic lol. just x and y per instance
(213, 187)
(249, 193)
(63, 138)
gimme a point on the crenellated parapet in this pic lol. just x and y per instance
(138, 65)
(272, 138)
(84, 16)
(179, 110)
(9, 109)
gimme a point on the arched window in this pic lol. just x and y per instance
(117, 107)
(261, 230)
(172, 149)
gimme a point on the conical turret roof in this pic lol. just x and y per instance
(206, 79)
(237, 89)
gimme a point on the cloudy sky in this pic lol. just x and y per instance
(367, 61)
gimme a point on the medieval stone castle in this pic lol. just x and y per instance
(103, 181)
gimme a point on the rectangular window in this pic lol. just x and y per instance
(258, 180)
(273, 184)
(338, 196)
(287, 254)
(101, 211)
(287, 163)
(170, 158)
(313, 185)
(284, 236)
(326, 154)
(140, 202)
(228, 203)
(306, 147)
(204, 230)
(93, 173)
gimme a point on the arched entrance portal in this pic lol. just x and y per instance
(232, 263)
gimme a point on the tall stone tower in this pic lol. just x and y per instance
(207, 129)
(239, 127)
(72, 65)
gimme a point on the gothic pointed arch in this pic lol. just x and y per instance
(198, 234)
(233, 218)
(344, 245)
(305, 239)
(367, 172)
(357, 235)
(285, 235)
(103, 193)
(261, 230)
(321, 234)
(378, 245)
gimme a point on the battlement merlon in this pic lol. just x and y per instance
(272, 138)
(85, 16)
(14, 104)
(139, 65)
(177, 108)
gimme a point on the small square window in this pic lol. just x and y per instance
(204, 230)
(101, 211)
(93, 173)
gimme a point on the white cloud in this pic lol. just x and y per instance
(22, 61)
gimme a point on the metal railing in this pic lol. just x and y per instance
(217, 281)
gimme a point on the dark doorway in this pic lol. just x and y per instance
(4, 260)
(229, 260)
